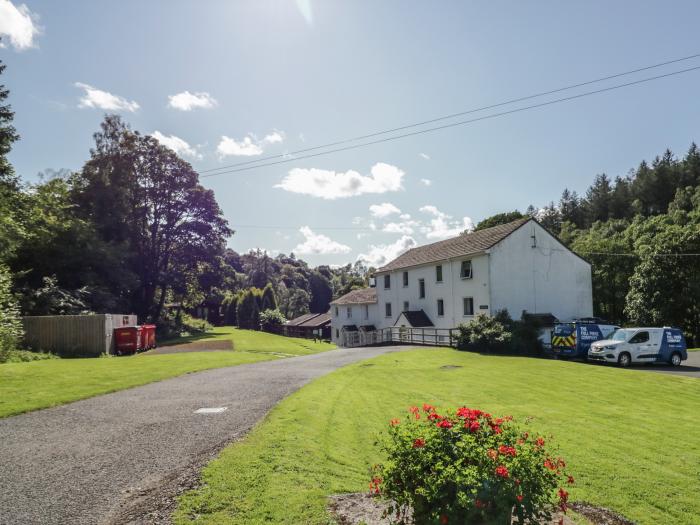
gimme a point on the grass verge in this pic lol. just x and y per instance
(42, 384)
(630, 437)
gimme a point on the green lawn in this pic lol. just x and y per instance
(42, 384)
(631, 437)
(693, 349)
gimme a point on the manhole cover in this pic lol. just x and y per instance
(213, 410)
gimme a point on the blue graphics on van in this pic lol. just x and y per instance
(672, 341)
(574, 339)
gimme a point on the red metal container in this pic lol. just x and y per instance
(149, 336)
(128, 340)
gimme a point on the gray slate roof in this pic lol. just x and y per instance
(460, 246)
(416, 318)
(360, 296)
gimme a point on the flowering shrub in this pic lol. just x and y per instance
(483, 333)
(466, 466)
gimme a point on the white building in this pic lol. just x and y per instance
(518, 266)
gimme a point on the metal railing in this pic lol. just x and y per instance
(401, 335)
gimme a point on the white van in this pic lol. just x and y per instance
(641, 345)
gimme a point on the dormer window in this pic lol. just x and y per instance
(465, 271)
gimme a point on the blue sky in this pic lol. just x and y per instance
(227, 82)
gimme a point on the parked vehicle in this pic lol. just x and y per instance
(574, 339)
(641, 345)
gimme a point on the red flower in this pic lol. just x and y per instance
(517, 482)
(561, 463)
(418, 443)
(519, 497)
(374, 485)
(507, 451)
(413, 410)
(428, 408)
(563, 495)
(501, 471)
(445, 423)
(539, 442)
(492, 454)
(444, 519)
(563, 498)
(480, 504)
(570, 480)
(394, 422)
(548, 463)
(474, 426)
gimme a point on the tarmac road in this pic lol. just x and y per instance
(122, 457)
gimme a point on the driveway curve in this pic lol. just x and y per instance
(122, 457)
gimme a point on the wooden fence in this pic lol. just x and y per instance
(74, 335)
(401, 335)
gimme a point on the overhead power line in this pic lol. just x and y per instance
(459, 114)
(459, 123)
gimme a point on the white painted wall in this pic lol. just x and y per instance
(451, 290)
(347, 314)
(547, 278)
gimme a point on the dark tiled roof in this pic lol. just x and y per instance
(360, 296)
(301, 319)
(417, 318)
(317, 321)
(460, 246)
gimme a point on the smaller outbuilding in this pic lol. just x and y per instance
(309, 326)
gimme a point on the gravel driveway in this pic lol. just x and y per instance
(120, 458)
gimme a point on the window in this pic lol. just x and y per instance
(349, 312)
(366, 311)
(640, 337)
(405, 279)
(387, 309)
(441, 307)
(421, 288)
(438, 273)
(387, 281)
(468, 305)
(405, 306)
(466, 270)
(336, 311)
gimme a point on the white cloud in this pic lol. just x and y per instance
(274, 137)
(426, 182)
(406, 227)
(380, 254)
(383, 210)
(442, 226)
(17, 23)
(424, 156)
(316, 243)
(331, 185)
(178, 145)
(244, 148)
(96, 98)
(249, 146)
(405, 216)
(187, 101)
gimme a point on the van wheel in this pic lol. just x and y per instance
(624, 360)
(675, 359)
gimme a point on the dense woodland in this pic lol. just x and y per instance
(134, 231)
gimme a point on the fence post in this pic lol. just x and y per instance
(450, 337)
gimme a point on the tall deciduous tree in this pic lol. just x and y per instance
(141, 196)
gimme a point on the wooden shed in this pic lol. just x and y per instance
(74, 335)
